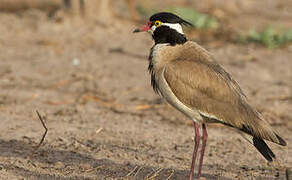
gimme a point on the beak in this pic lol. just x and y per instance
(143, 28)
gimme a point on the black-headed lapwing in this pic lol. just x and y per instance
(186, 75)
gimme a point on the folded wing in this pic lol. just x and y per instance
(206, 86)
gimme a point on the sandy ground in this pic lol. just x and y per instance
(90, 82)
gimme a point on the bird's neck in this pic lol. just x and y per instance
(165, 34)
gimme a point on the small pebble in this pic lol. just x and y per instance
(86, 166)
(75, 62)
(59, 165)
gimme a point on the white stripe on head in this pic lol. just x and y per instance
(175, 26)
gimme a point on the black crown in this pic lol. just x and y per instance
(167, 17)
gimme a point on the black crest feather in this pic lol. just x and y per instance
(167, 17)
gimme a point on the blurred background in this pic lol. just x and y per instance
(78, 63)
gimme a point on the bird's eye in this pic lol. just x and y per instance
(157, 23)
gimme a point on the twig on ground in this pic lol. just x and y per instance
(171, 174)
(94, 169)
(288, 173)
(132, 171)
(153, 175)
(127, 53)
(98, 130)
(148, 106)
(138, 171)
(44, 135)
(280, 98)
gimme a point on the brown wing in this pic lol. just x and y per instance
(207, 87)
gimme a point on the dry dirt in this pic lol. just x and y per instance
(89, 80)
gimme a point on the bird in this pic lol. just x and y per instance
(189, 78)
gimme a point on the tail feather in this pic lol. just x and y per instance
(281, 141)
(263, 148)
(263, 131)
(254, 124)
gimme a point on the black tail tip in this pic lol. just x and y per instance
(263, 148)
(281, 141)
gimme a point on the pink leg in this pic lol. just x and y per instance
(197, 141)
(205, 136)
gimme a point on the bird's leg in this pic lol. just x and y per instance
(205, 136)
(197, 141)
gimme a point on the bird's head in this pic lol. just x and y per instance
(165, 28)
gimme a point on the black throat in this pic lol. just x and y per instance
(165, 34)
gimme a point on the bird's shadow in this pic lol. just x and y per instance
(103, 168)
